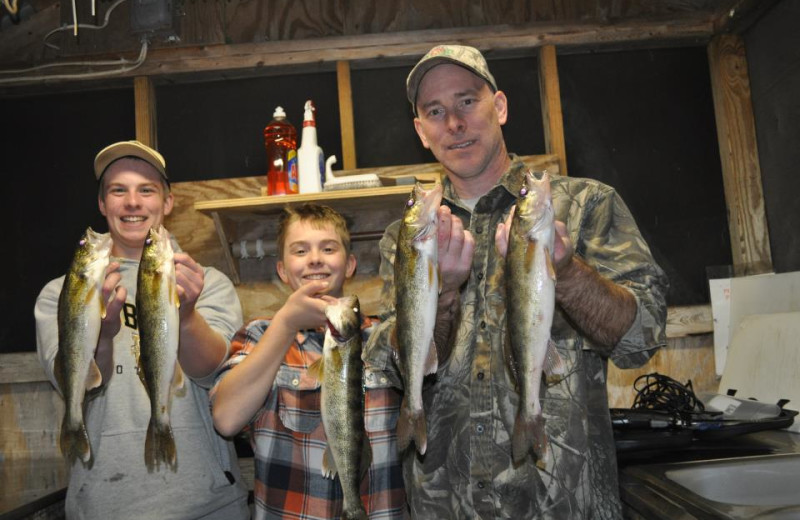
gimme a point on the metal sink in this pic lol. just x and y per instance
(772, 480)
(766, 486)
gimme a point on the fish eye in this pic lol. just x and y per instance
(148, 241)
(523, 191)
(82, 242)
(410, 202)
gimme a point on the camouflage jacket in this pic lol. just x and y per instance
(471, 403)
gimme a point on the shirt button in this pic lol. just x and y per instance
(483, 325)
(479, 230)
(479, 428)
(383, 380)
(480, 275)
(295, 382)
(480, 376)
(480, 485)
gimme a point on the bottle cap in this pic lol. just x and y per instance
(279, 113)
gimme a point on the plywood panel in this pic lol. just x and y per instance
(683, 359)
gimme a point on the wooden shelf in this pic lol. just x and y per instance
(339, 200)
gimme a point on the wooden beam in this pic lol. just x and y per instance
(495, 41)
(738, 150)
(346, 115)
(550, 97)
(145, 106)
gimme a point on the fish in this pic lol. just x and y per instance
(80, 310)
(417, 285)
(157, 310)
(530, 289)
(341, 373)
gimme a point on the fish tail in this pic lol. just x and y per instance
(528, 435)
(357, 514)
(159, 446)
(75, 442)
(411, 426)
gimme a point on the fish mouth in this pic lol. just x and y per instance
(334, 332)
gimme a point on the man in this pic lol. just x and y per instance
(609, 304)
(134, 196)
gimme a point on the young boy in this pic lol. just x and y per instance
(265, 385)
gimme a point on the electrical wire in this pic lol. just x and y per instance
(76, 25)
(83, 75)
(659, 392)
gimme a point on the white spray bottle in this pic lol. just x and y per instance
(310, 159)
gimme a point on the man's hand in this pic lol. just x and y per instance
(562, 244)
(456, 246)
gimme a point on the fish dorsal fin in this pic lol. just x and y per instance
(173, 294)
(57, 372)
(178, 382)
(316, 368)
(530, 254)
(94, 379)
(432, 361)
(398, 359)
(511, 360)
(554, 365)
(551, 270)
(140, 371)
(328, 463)
(90, 295)
(103, 308)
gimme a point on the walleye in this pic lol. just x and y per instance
(530, 278)
(341, 372)
(157, 312)
(417, 284)
(80, 309)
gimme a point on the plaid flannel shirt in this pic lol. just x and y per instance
(289, 440)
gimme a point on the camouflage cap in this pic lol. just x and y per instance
(115, 151)
(468, 57)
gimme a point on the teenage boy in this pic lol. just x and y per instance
(134, 196)
(265, 385)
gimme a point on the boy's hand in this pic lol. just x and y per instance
(305, 308)
(190, 280)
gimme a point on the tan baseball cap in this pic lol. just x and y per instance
(468, 57)
(122, 149)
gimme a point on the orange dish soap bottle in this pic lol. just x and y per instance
(280, 140)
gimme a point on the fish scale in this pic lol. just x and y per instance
(80, 311)
(341, 373)
(158, 322)
(530, 277)
(417, 284)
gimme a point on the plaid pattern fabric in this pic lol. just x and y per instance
(288, 437)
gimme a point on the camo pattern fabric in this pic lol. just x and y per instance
(470, 404)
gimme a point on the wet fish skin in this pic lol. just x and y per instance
(530, 277)
(158, 322)
(80, 311)
(417, 284)
(341, 371)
